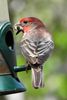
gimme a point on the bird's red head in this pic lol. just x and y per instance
(25, 24)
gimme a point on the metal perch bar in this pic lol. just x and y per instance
(21, 68)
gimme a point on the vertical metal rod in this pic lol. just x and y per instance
(4, 14)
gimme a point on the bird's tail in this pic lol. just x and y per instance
(37, 77)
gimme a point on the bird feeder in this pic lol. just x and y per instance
(9, 82)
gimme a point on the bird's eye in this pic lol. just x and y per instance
(25, 22)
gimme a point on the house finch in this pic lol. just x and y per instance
(36, 45)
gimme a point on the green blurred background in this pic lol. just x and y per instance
(54, 14)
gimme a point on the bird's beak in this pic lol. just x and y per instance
(37, 78)
(18, 28)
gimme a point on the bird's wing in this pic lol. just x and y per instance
(45, 46)
(44, 49)
(36, 52)
(28, 49)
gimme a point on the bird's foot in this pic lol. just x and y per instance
(28, 66)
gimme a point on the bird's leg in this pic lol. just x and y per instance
(27, 66)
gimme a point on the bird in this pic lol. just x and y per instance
(36, 46)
